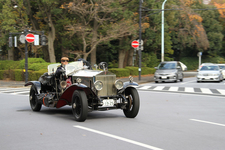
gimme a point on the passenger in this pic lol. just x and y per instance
(85, 63)
(61, 68)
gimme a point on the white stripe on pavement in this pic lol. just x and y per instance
(173, 88)
(145, 87)
(205, 90)
(221, 91)
(119, 138)
(189, 89)
(208, 122)
(159, 88)
(27, 92)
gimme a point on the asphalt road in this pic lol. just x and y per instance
(168, 121)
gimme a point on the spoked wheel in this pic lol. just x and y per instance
(133, 105)
(79, 105)
(35, 106)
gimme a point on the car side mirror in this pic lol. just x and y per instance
(178, 67)
(156, 68)
(197, 69)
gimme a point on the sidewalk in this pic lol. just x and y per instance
(15, 84)
(144, 79)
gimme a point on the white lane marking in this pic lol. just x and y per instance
(208, 122)
(119, 138)
(145, 87)
(12, 90)
(189, 89)
(173, 88)
(205, 90)
(221, 91)
(27, 92)
(159, 88)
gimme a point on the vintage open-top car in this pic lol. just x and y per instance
(85, 90)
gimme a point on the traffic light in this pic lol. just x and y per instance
(43, 40)
(10, 41)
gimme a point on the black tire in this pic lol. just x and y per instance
(34, 104)
(176, 79)
(156, 81)
(79, 105)
(133, 105)
(181, 80)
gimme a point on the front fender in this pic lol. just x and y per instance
(66, 97)
(128, 84)
(37, 85)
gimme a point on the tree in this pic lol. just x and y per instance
(95, 22)
(13, 19)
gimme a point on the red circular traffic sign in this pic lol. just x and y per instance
(135, 44)
(30, 38)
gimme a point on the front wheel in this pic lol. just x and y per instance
(79, 105)
(34, 104)
(133, 105)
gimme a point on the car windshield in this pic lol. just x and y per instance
(164, 66)
(210, 68)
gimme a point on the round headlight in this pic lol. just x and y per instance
(78, 80)
(63, 84)
(118, 84)
(98, 85)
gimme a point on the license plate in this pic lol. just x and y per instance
(108, 103)
(164, 77)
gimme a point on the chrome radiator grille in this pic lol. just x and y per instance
(108, 85)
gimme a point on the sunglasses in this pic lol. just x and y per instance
(64, 61)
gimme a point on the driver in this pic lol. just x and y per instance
(61, 68)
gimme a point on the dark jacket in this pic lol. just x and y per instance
(59, 71)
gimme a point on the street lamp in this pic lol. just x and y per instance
(139, 51)
(162, 34)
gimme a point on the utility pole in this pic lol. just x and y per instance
(26, 58)
(162, 34)
(139, 52)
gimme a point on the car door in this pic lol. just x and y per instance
(179, 70)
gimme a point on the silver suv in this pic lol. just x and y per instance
(169, 71)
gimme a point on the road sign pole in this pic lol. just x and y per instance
(26, 58)
(139, 52)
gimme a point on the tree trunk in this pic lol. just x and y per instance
(10, 54)
(121, 57)
(130, 57)
(94, 38)
(45, 53)
(125, 59)
(85, 56)
(122, 54)
(51, 39)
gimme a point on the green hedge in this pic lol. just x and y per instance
(120, 72)
(19, 75)
(125, 72)
(133, 71)
(147, 70)
(30, 62)
(38, 66)
(1, 74)
(9, 64)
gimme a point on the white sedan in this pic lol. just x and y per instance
(209, 73)
(222, 66)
